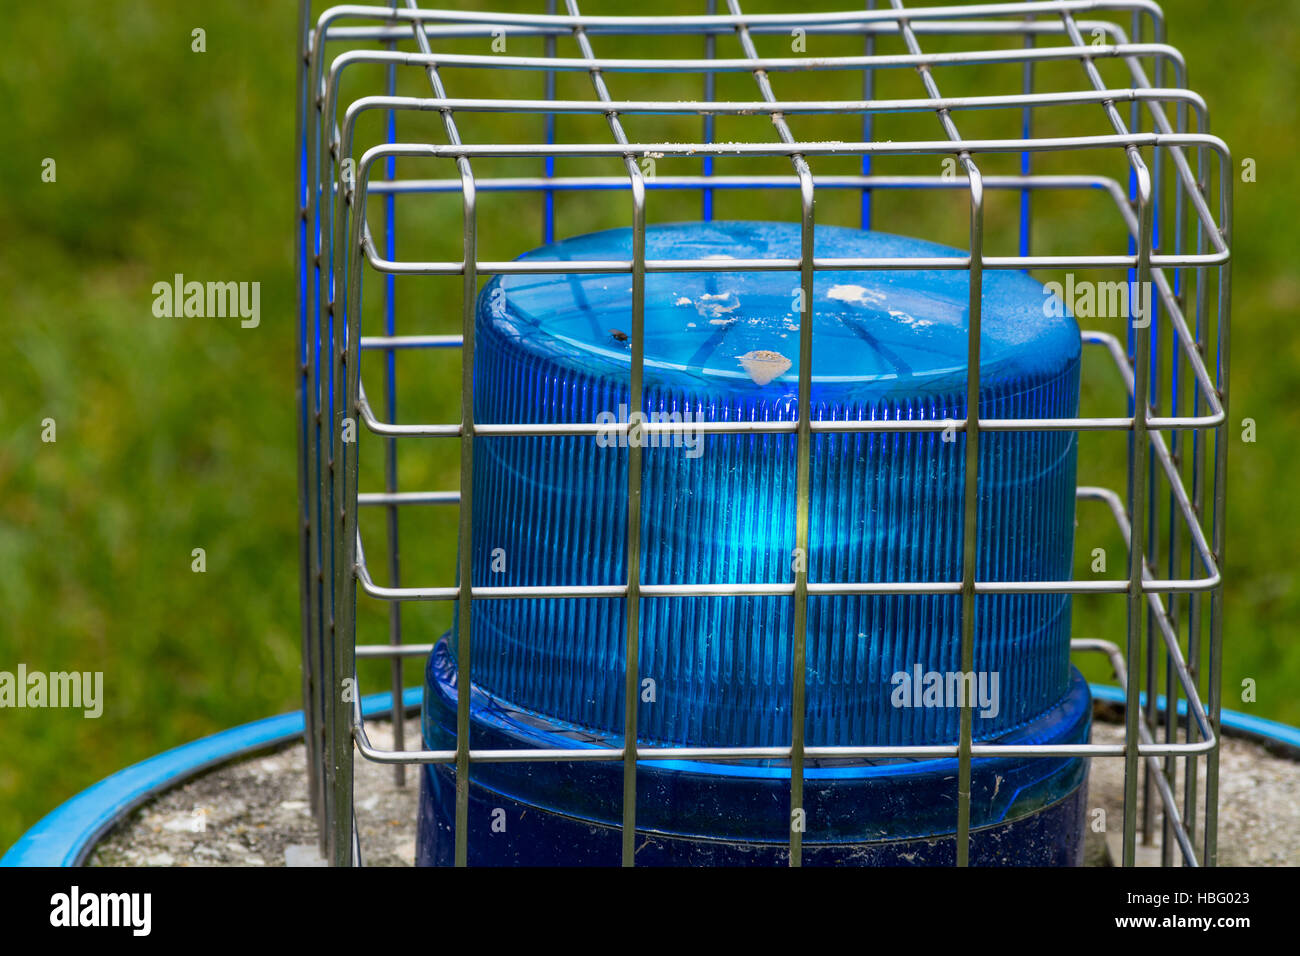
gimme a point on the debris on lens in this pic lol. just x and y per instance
(764, 365)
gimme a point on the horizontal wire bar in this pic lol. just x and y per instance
(1172, 475)
(387, 651)
(590, 22)
(1156, 439)
(774, 753)
(1169, 636)
(452, 497)
(762, 107)
(821, 426)
(917, 147)
(735, 181)
(1147, 748)
(661, 150)
(965, 28)
(844, 264)
(382, 428)
(1213, 419)
(367, 750)
(1187, 341)
(650, 427)
(861, 264)
(375, 342)
(1186, 176)
(409, 498)
(1149, 585)
(1193, 355)
(965, 19)
(779, 64)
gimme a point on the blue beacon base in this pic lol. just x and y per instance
(888, 344)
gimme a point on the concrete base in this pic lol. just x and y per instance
(255, 809)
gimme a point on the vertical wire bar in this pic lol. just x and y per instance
(799, 669)
(1194, 604)
(1132, 492)
(1153, 478)
(1172, 602)
(710, 90)
(346, 343)
(1176, 443)
(336, 770)
(345, 281)
(464, 621)
(548, 215)
(1222, 328)
(315, 653)
(798, 675)
(632, 655)
(971, 492)
(632, 652)
(1171, 816)
(323, 529)
(1139, 347)
(1138, 501)
(868, 118)
(464, 609)
(396, 682)
(337, 408)
(970, 527)
(356, 840)
(1152, 768)
(305, 474)
(1026, 132)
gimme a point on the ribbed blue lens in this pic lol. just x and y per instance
(885, 507)
(716, 671)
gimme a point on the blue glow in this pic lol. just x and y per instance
(885, 507)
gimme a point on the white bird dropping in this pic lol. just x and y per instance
(764, 365)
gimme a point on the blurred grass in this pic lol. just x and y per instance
(175, 434)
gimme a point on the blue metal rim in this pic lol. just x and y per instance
(1239, 724)
(66, 835)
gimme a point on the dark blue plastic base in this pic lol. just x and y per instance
(871, 812)
(532, 836)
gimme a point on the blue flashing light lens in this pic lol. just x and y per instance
(885, 507)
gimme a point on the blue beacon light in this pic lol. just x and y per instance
(882, 669)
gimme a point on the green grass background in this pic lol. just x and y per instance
(175, 434)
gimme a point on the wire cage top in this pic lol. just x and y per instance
(1054, 138)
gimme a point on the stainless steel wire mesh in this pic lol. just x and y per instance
(1174, 210)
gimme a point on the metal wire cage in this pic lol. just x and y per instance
(1077, 124)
